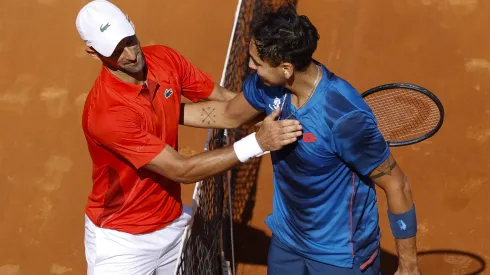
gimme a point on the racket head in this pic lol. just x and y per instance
(416, 99)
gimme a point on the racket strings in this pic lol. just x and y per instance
(403, 114)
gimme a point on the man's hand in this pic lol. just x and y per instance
(273, 135)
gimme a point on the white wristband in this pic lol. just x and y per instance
(247, 148)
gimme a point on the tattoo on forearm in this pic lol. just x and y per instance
(208, 115)
(384, 168)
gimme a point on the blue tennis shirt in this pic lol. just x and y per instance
(324, 206)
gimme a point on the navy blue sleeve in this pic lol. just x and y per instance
(253, 94)
(358, 141)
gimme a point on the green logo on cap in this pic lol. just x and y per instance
(104, 28)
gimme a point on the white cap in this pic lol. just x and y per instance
(102, 26)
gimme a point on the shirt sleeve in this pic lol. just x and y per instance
(253, 93)
(195, 83)
(119, 130)
(359, 142)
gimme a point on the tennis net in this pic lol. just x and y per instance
(226, 199)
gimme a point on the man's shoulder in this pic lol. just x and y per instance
(104, 105)
(163, 59)
(255, 84)
(252, 81)
(343, 99)
(102, 96)
(261, 96)
(161, 52)
(156, 49)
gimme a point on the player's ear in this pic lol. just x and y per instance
(287, 69)
(92, 53)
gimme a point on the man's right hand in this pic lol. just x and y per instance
(274, 134)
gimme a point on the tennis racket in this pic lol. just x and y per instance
(406, 113)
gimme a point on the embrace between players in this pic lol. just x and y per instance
(327, 152)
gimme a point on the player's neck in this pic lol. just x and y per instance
(303, 84)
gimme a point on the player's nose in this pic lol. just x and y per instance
(130, 55)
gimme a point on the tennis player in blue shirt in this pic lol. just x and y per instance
(325, 214)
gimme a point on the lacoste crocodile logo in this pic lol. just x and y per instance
(103, 27)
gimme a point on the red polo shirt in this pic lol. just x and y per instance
(126, 126)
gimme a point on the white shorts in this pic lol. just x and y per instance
(111, 252)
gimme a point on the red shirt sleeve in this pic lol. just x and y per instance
(195, 83)
(119, 130)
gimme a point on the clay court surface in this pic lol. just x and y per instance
(45, 169)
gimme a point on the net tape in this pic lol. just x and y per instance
(209, 239)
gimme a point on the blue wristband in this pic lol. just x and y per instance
(403, 226)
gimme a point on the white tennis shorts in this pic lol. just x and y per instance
(111, 252)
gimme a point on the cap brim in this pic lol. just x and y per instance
(109, 41)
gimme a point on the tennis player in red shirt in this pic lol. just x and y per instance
(134, 218)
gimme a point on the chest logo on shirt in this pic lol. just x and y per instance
(309, 137)
(168, 93)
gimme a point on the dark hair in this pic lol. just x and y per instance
(285, 36)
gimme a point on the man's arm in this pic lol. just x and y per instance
(195, 168)
(359, 143)
(220, 94)
(391, 179)
(218, 114)
(271, 136)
